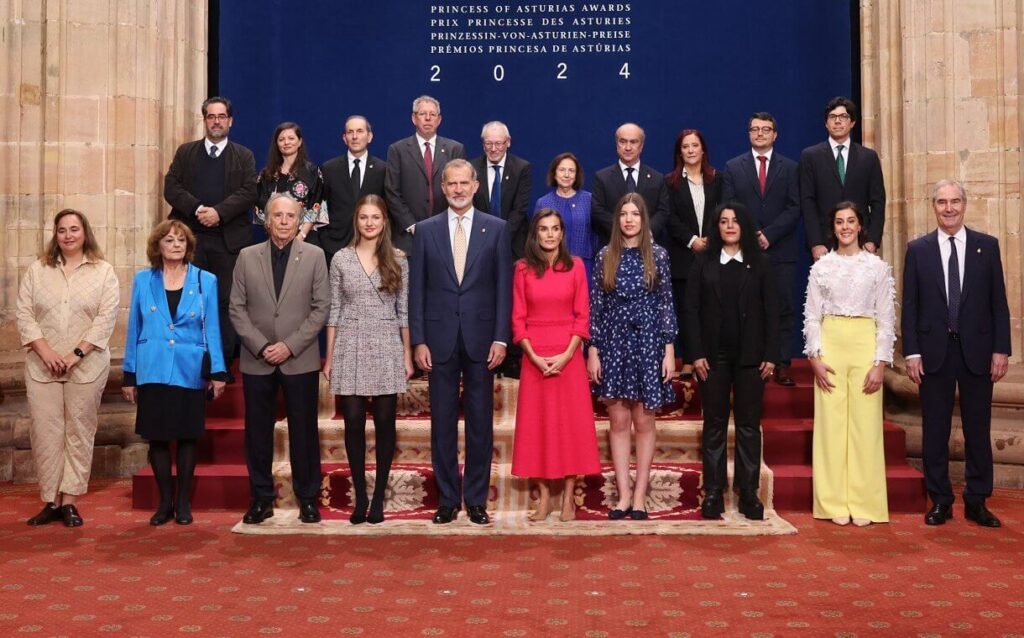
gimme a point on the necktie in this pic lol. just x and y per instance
(213, 152)
(428, 163)
(762, 172)
(630, 182)
(355, 176)
(459, 249)
(840, 164)
(496, 192)
(953, 279)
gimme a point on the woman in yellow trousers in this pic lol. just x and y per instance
(849, 332)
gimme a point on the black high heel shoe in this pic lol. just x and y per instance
(164, 513)
(183, 516)
(618, 515)
(359, 513)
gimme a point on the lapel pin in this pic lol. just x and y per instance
(483, 230)
(442, 150)
(648, 176)
(979, 251)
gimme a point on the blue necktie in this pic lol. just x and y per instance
(953, 279)
(630, 182)
(496, 192)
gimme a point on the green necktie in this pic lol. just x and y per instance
(841, 164)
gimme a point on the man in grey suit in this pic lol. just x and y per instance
(412, 183)
(280, 298)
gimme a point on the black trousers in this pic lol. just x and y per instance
(679, 302)
(938, 395)
(300, 398)
(744, 386)
(212, 255)
(478, 395)
(784, 290)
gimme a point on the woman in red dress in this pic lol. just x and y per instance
(555, 433)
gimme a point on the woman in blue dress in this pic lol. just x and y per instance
(571, 202)
(632, 357)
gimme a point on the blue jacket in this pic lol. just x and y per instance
(169, 350)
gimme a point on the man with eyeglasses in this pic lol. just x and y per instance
(506, 193)
(767, 183)
(412, 181)
(211, 186)
(837, 170)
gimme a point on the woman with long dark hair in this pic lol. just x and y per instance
(555, 436)
(632, 356)
(694, 190)
(368, 353)
(732, 337)
(849, 332)
(289, 170)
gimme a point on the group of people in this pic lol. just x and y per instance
(411, 263)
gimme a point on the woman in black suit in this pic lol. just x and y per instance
(694, 190)
(732, 337)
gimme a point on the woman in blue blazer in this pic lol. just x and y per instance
(173, 324)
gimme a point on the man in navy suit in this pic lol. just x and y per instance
(837, 170)
(508, 196)
(628, 175)
(767, 183)
(460, 305)
(956, 334)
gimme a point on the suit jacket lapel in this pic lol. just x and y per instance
(444, 246)
(156, 288)
(972, 255)
(413, 146)
(714, 275)
(829, 157)
(773, 172)
(750, 168)
(476, 239)
(294, 256)
(189, 293)
(440, 154)
(931, 242)
(264, 259)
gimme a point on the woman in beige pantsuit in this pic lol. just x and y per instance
(368, 353)
(67, 305)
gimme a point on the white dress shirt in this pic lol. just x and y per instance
(433, 146)
(757, 162)
(697, 195)
(636, 171)
(467, 226)
(961, 254)
(221, 145)
(846, 150)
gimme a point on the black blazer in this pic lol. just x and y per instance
(984, 322)
(341, 197)
(239, 184)
(820, 190)
(759, 312)
(777, 212)
(610, 186)
(682, 222)
(515, 197)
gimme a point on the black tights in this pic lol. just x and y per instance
(353, 409)
(160, 459)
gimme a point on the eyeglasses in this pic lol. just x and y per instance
(217, 117)
(838, 117)
(495, 144)
(428, 114)
(761, 129)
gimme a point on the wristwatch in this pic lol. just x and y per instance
(78, 352)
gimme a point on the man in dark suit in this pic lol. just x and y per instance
(956, 335)
(628, 175)
(460, 304)
(767, 183)
(839, 170)
(279, 302)
(412, 183)
(211, 185)
(506, 193)
(347, 179)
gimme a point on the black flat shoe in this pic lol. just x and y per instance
(258, 512)
(638, 515)
(617, 514)
(938, 514)
(71, 516)
(713, 506)
(47, 515)
(478, 514)
(980, 515)
(309, 512)
(445, 514)
(163, 514)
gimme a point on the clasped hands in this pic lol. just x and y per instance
(208, 216)
(277, 353)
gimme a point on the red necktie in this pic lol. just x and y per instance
(428, 163)
(762, 172)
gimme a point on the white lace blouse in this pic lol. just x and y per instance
(860, 285)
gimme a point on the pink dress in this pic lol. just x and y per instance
(555, 433)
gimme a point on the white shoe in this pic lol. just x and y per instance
(861, 522)
(841, 520)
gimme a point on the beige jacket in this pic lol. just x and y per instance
(296, 317)
(66, 310)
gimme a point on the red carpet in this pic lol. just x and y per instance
(118, 576)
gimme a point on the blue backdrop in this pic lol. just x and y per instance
(704, 65)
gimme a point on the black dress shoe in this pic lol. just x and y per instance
(617, 514)
(980, 515)
(782, 376)
(938, 514)
(309, 512)
(478, 514)
(163, 514)
(183, 514)
(71, 516)
(751, 506)
(713, 505)
(638, 515)
(258, 512)
(445, 514)
(47, 515)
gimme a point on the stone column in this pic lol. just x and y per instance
(941, 92)
(94, 97)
